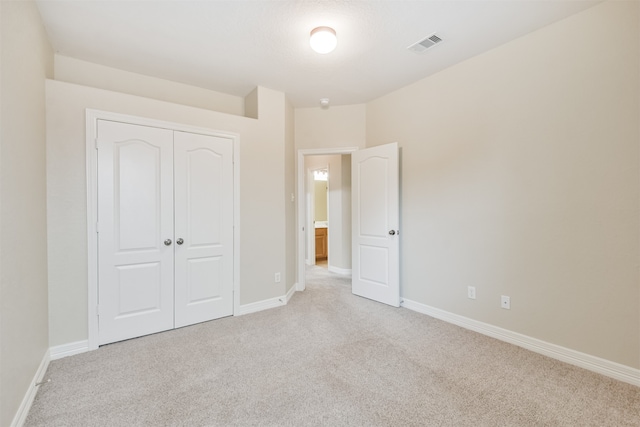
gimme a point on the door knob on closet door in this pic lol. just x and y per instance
(392, 232)
(167, 242)
(180, 241)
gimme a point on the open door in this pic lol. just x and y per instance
(375, 220)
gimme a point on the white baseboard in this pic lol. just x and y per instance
(290, 292)
(267, 303)
(573, 357)
(338, 270)
(64, 350)
(27, 401)
(261, 305)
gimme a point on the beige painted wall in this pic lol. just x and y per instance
(262, 204)
(321, 191)
(85, 73)
(520, 176)
(334, 127)
(26, 60)
(289, 198)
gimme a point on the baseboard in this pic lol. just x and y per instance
(261, 305)
(338, 270)
(290, 292)
(573, 357)
(64, 350)
(27, 401)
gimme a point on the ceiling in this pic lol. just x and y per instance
(233, 46)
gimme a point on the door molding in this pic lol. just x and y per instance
(301, 208)
(92, 117)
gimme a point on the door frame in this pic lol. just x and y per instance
(301, 207)
(92, 117)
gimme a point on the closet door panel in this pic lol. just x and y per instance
(203, 228)
(135, 217)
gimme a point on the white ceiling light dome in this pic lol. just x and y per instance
(323, 39)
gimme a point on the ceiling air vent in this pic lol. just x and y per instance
(425, 44)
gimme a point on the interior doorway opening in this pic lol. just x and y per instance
(337, 163)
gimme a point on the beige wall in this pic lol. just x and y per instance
(334, 127)
(520, 176)
(262, 203)
(26, 61)
(320, 199)
(84, 73)
(289, 191)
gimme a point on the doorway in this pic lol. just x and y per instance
(338, 224)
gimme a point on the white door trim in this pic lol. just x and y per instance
(301, 222)
(92, 117)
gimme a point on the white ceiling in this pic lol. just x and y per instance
(233, 46)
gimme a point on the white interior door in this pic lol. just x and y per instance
(135, 219)
(203, 228)
(375, 219)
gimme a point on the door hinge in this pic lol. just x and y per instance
(97, 310)
(96, 140)
(97, 227)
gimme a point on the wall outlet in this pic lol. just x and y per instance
(277, 278)
(471, 292)
(505, 302)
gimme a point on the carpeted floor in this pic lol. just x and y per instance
(328, 358)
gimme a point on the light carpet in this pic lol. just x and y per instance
(328, 358)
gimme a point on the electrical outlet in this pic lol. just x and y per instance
(277, 278)
(471, 292)
(505, 302)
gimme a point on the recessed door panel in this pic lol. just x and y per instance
(138, 190)
(139, 289)
(204, 198)
(374, 215)
(204, 280)
(376, 270)
(204, 225)
(135, 216)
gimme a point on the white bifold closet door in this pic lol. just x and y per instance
(165, 229)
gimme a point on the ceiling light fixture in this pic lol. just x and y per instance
(323, 39)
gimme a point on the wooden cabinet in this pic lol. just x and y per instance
(322, 243)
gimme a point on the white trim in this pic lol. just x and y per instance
(338, 270)
(290, 292)
(301, 206)
(92, 117)
(69, 349)
(573, 357)
(27, 401)
(261, 305)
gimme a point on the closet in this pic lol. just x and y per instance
(165, 229)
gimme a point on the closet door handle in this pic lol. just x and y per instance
(167, 242)
(180, 241)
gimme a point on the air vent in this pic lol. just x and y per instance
(425, 44)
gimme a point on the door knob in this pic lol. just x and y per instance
(392, 232)
(180, 241)
(167, 242)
